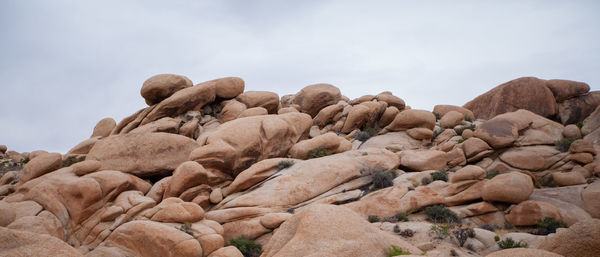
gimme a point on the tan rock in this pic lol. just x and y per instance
(104, 127)
(571, 131)
(420, 160)
(254, 174)
(157, 190)
(565, 89)
(228, 87)
(513, 187)
(388, 116)
(330, 141)
(456, 157)
(216, 196)
(475, 149)
(155, 153)
(41, 165)
(580, 108)
(420, 133)
(568, 178)
(582, 146)
(466, 134)
(451, 119)
(286, 110)
(528, 213)
(582, 238)
(230, 152)
(534, 158)
(391, 100)
(469, 172)
(229, 251)
(254, 111)
(176, 210)
(186, 175)
(583, 158)
(85, 146)
(43, 223)
(232, 110)
(383, 203)
(408, 119)
(442, 109)
(357, 117)
(166, 124)
(190, 128)
(267, 100)
(313, 98)
(159, 87)
(393, 141)
(3, 149)
(326, 114)
(592, 122)
(273, 220)
(8, 177)
(182, 101)
(527, 93)
(591, 199)
(523, 252)
(22, 243)
(86, 167)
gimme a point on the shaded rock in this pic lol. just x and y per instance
(313, 98)
(357, 117)
(513, 187)
(230, 152)
(229, 251)
(22, 243)
(254, 111)
(591, 199)
(85, 146)
(3, 149)
(383, 203)
(326, 114)
(408, 119)
(159, 87)
(190, 128)
(104, 127)
(571, 131)
(254, 174)
(420, 160)
(41, 165)
(578, 108)
(186, 175)
(152, 154)
(528, 213)
(328, 230)
(582, 238)
(527, 93)
(182, 101)
(476, 149)
(565, 89)
(329, 141)
(286, 110)
(267, 100)
(388, 116)
(592, 122)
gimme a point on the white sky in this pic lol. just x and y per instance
(64, 65)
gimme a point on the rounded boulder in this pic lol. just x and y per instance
(159, 87)
(513, 187)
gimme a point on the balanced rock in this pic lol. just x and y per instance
(104, 127)
(513, 187)
(159, 87)
(188, 99)
(329, 141)
(313, 98)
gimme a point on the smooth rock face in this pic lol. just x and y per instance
(442, 109)
(580, 239)
(451, 119)
(188, 99)
(41, 165)
(152, 154)
(528, 213)
(229, 251)
(408, 119)
(328, 230)
(591, 199)
(565, 89)
(228, 87)
(267, 100)
(592, 122)
(513, 187)
(534, 158)
(187, 175)
(159, 87)
(330, 141)
(230, 151)
(523, 252)
(571, 131)
(420, 160)
(22, 243)
(527, 93)
(104, 127)
(313, 98)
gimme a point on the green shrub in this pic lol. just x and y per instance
(497, 238)
(510, 243)
(318, 152)
(459, 130)
(436, 133)
(248, 247)
(461, 140)
(373, 218)
(549, 225)
(362, 136)
(437, 116)
(579, 124)
(382, 179)
(547, 181)
(284, 164)
(187, 228)
(440, 231)
(440, 175)
(462, 234)
(407, 233)
(564, 144)
(403, 216)
(491, 174)
(468, 118)
(25, 160)
(72, 160)
(507, 225)
(395, 251)
(441, 214)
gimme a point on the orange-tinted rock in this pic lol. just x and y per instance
(326, 114)
(578, 108)
(329, 141)
(408, 119)
(104, 127)
(565, 89)
(313, 98)
(232, 110)
(188, 99)
(442, 109)
(580, 239)
(513, 187)
(22, 243)
(267, 100)
(159, 87)
(391, 100)
(420, 160)
(528, 213)
(254, 111)
(41, 165)
(228, 87)
(451, 119)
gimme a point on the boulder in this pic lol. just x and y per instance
(533, 158)
(229, 151)
(591, 199)
(571, 131)
(513, 187)
(476, 149)
(182, 101)
(582, 146)
(286, 110)
(228, 87)
(176, 210)
(528, 213)
(43, 223)
(393, 141)
(104, 127)
(187, 175)
(523, 252)
(382, 203)
(229, 251)
(566, 89)
(231, 110)
(254, 111)
(86, 167)
(469, 172)
(391, 100)
(592, 122)
(255, 173)
(326, 114)
(408, 119)
(329, 141)
(527, 93)
(328, 230)
(421, 160)
(451, 119)
(357, 117)
(388, 116)
(3, 149)
(159, 87)
(267, 100)
(166, 124)
(580, 239)
(568, 178)
(313, 98)
(85, 146)
(420, 133)
(151, 154)
(22, 243)
(41, 165)
(578, 108)
(442, 109)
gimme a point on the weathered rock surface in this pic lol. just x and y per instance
(21, 243)
(578, 108)
(528, 213)
(313, 98)
(188, 99)
(582, 239)
(264, 99)
(420, 160)
(408, 119)
(159, 87)
(104, 127)
(41, 165)
(523, 252)
(513, 187)
(591, 199)
(329, 141)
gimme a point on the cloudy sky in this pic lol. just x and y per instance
(64, 65)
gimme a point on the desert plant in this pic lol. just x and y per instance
(318, 152)
(407, 233)
(440, 175)
(437, 132)
(426, 180)
(72, 160)
(507, 225)
(547, 181)
(497, 238)
(459, 129)
(437, 116)
(461, 140)
(564, 144)
(362, 136)
(187, 228)
(403, 216)
(440, 214)
(491, 174)
(247, 247)
(468, 118)
(510, 243)
(453, 252)
(549, 225)
(440, 231)
(462, 234)
(25, 160)
(284, 164)
(373, 218)
(382, 179)
(395, 251)
(579, 124)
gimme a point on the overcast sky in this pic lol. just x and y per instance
(64, 65)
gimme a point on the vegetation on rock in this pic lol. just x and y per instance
(247, 247)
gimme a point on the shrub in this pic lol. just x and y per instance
(437, 116)
(436, 133)
(373, 218)
(510, 243)
(491, 174)
(187, 228)
(284, 164)
(497, 238)
(248, 247)
(440, 214)
(508, 225)
(25, 160)
(579, 124)
(459, 130)
(564, 144)
(488, 227)
(365, 154)
(462, 234)
(426, 180)
(468, 118)
(318, 152)
(362, 136)
(403, 216)
(547, 181)
(72, 160)
(407, 233)
(461, 140)
(395, 251)
(382, 179)
(440, 175)
(549, 225)
(440, 231)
